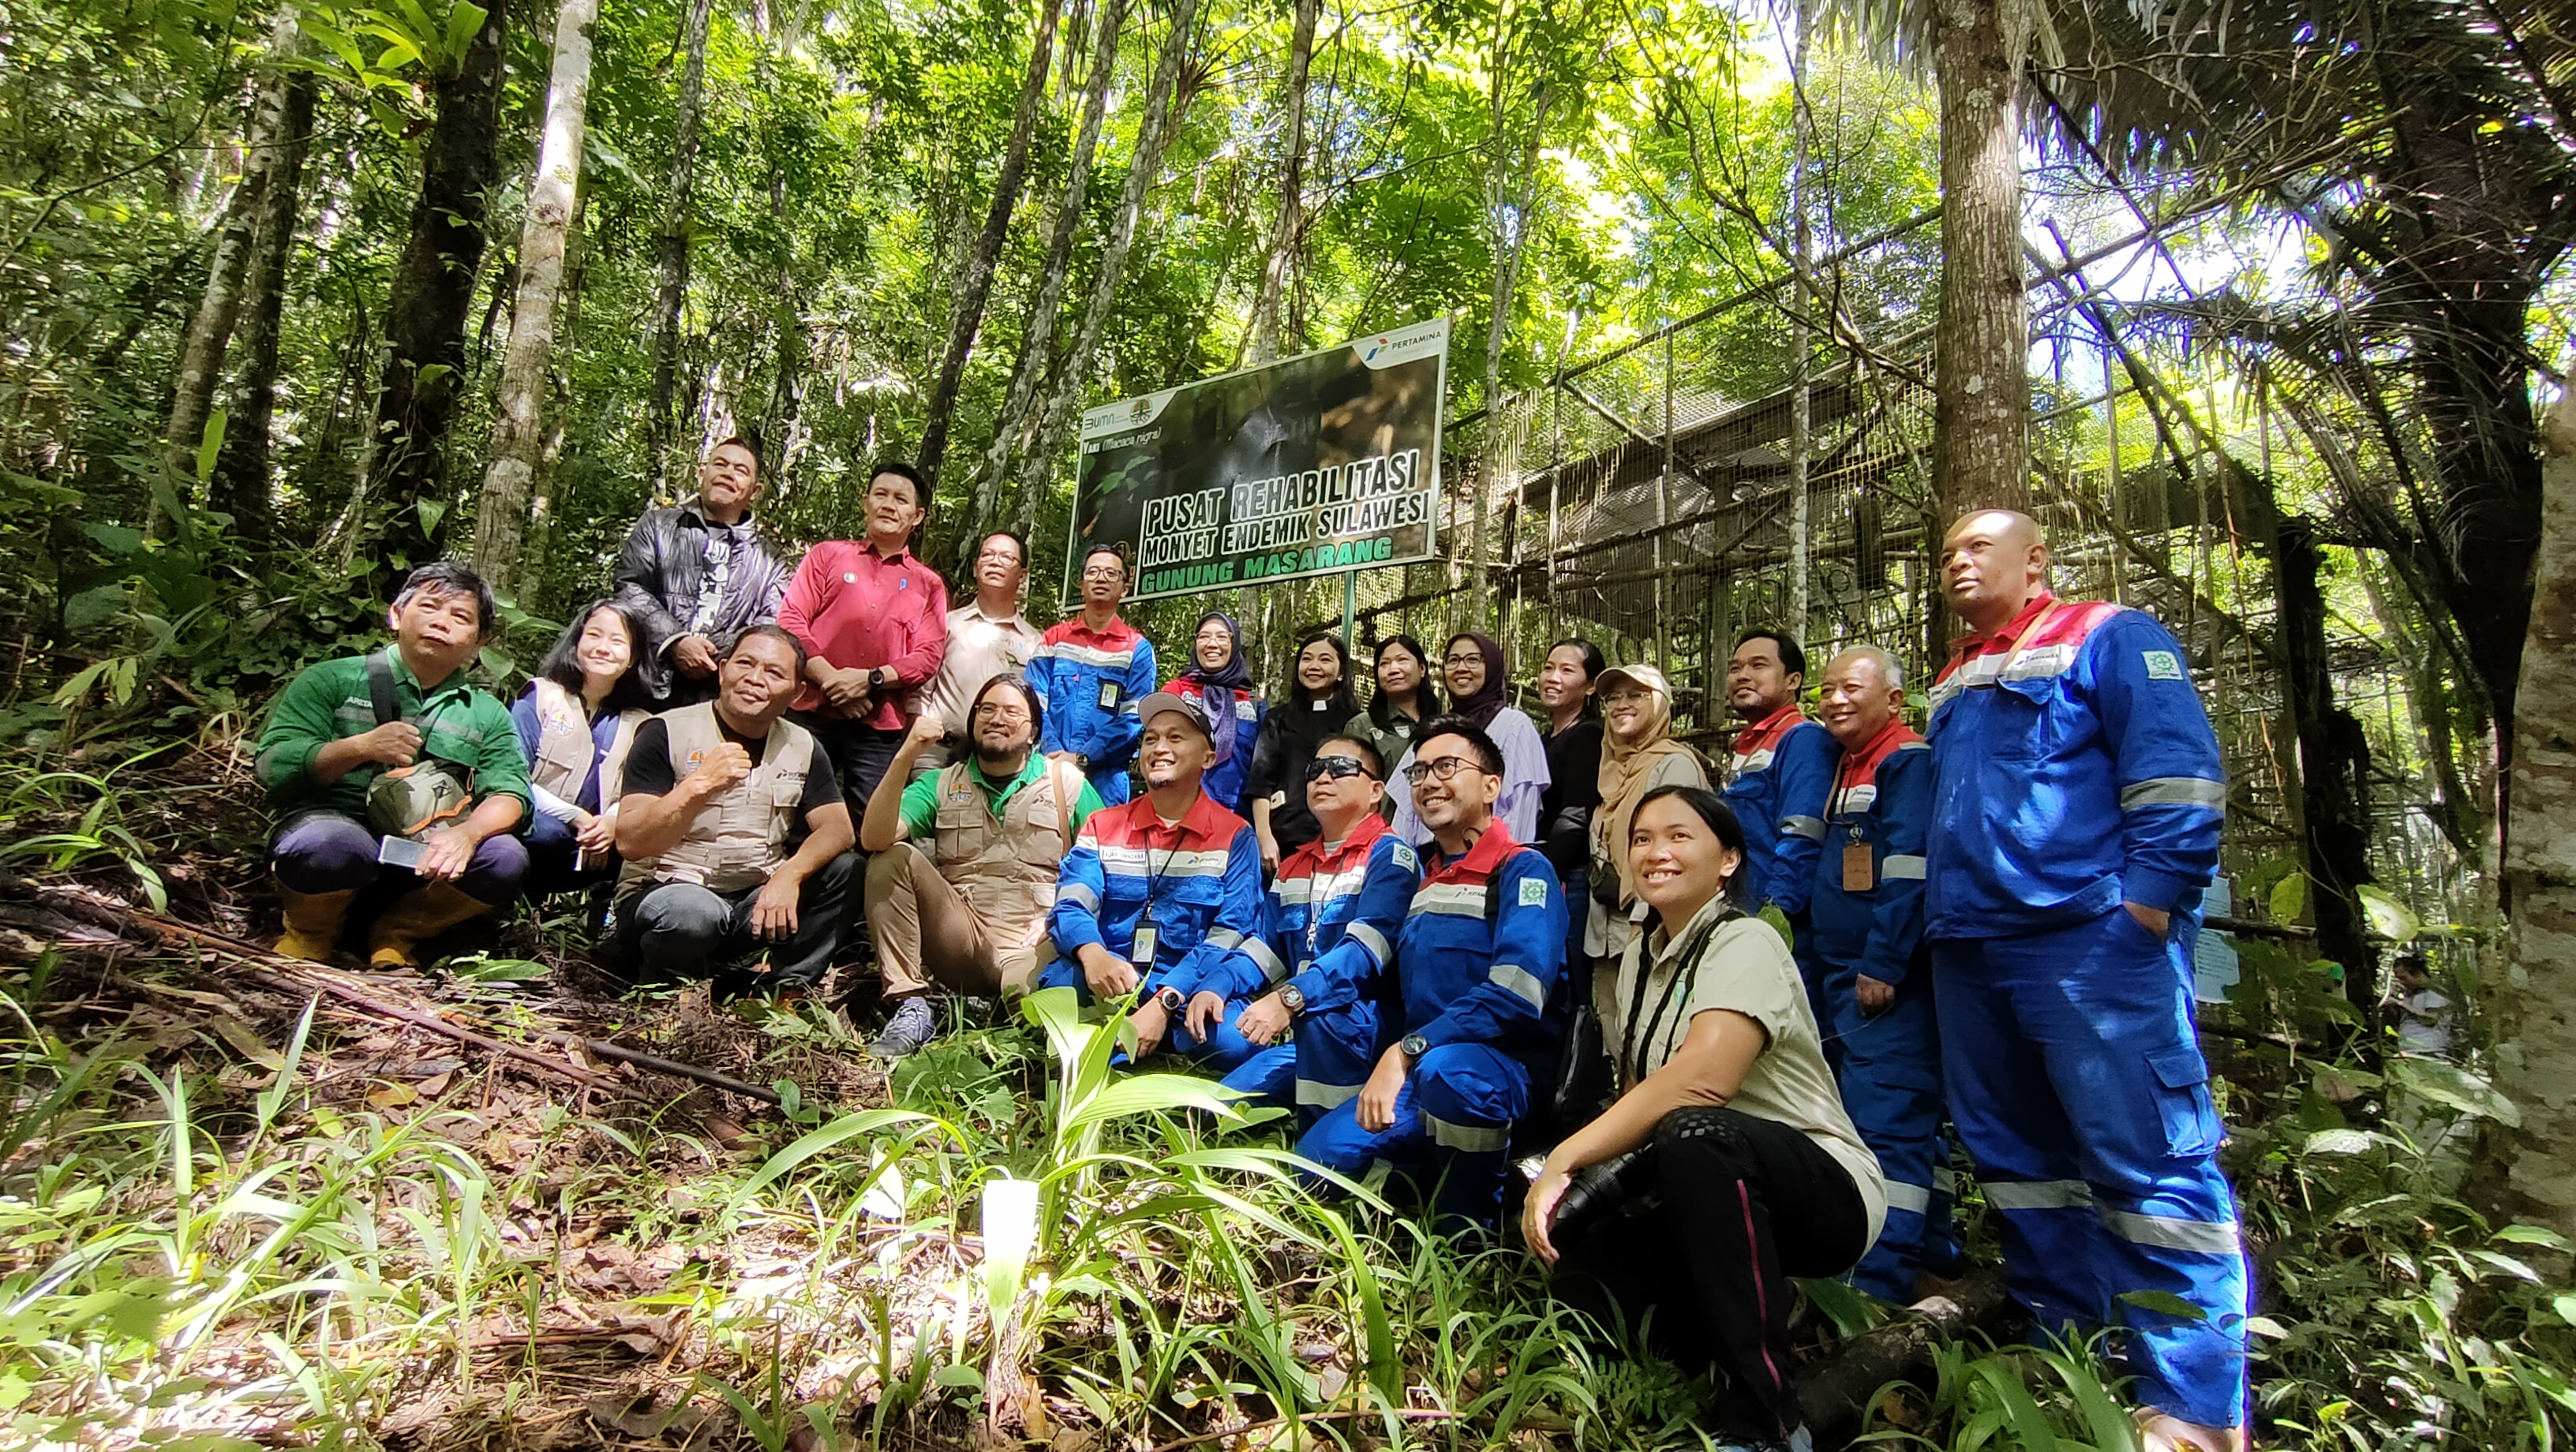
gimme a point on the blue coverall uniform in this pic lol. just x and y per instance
(2075, 770)
(1476, 964)
(1867, 916)
(1334, 918)
(1198, 883)
(1776, 778)
(1090, 682)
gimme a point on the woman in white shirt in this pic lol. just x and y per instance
(1750, 1171)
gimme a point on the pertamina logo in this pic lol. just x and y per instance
(1383, 341)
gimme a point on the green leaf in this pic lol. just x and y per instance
(2565, 1305)
(2029, 1424)
(1849, 1310)
(2450, 1085)
(847, 1127)
(2339, 1142)
(2290, 898)
(2164, 1303)
(2534, 1235)
(2507, 1264)
(463, 19)
(2389, 918)
(1151, 1094)
(959, 1376)
(1779, 922)
(212, 445)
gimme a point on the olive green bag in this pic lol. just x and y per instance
(411, 801)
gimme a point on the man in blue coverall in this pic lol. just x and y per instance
(1867, 915)
(1476, 965)
(1090, 672)
(1158, 895)
(2078, 796)
(1335, 911)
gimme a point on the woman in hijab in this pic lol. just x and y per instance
(1317, 706)
(1638, 755)
(1221, 681)
(1404, 699)
(1473, 666)
(1316, 709)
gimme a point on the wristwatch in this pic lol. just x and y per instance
(879, 678)
(1292, 1000)
(1170, 998)
(1414, 1046)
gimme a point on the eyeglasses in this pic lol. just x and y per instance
(1624, 698)
(1105, 572)
(1464, 660)
(1336, 767)
(1006, 556)
(1441, 770)
(1006, 715)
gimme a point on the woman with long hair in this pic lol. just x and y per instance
(1220, 680)
(1474, 667)
(1404, 699)
(1726, 1165)
(575, 720)
(1317, 706)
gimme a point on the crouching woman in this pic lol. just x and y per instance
(1727, 1157)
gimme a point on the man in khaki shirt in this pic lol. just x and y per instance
(987, 636)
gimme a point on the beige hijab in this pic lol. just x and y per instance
(1629, 767)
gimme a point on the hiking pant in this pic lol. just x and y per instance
(322, 851)
(926, 933)
(1321, 1068)
(682, 930)
(1453, 1123)
(1891, 1085)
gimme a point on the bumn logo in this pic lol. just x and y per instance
(1383, 341)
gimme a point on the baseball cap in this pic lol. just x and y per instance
(1162, 701)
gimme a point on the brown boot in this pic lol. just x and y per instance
(432, 909)
(313, 923)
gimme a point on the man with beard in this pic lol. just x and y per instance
(1161, 897)
(963, 902)
(700, 573)
(715, 793)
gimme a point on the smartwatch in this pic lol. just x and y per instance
(879, 678)
(1292, 1000)
(1170, 998)
(1414, 1046)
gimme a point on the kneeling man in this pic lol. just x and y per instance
(964, 902)
(396, 777)
(1476, 964)
(1159, 893)
(1336, 909)
(715, 794)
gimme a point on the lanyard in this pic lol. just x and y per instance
(1633, 1056)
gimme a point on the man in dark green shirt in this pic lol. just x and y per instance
(324, 747)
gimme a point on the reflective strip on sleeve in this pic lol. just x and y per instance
(1080, 895)
(1521, 981)
(1472, 1138)
(2174, 791)
(2170, 1232)
(2039, 1194)
(1811, 828)
(1315, 1094)
(1902, 1196)
(1903, 865)
(1293, 891)
(1224, 938)
(1272, 969)
(1373, 940)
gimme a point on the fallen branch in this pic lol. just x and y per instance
(1835, 1397)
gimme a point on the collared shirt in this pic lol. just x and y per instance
(857, 610)
(459, 723)
(1778, 773)
(1856, 774)
(1091, 681)
(1198, 880)
(1482, 947)
(921, 797)
(980, 647)
(1753, 746)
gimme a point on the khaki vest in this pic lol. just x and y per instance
(737, 840)
(563, 745)
(1005, 868)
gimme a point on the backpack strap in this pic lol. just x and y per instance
(380, 687)
(1065, 801)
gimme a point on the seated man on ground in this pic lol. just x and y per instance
(1159, 893)
(715, 795)
(397, 779)
(1336, 909)
(1476, 965)
(963, 903)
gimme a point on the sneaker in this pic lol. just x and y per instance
(914, 1024)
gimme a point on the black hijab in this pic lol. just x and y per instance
(1495, 694)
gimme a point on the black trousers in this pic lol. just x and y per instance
(1739, 1205)
(859, 753)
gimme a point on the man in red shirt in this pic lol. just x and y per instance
(874, 620)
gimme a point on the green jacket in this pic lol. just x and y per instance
(329, 702)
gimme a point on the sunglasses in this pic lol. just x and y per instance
(1336, 767)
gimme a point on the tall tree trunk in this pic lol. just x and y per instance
(2536, 1060)
(501, 519)
(433, 290)
(2334, 769)
(1981, 342)
(784, 417)
(210, 326)
(1038, 337)
(1509, 168)
(1165, 104)
(240, 486)
(975, 284)
(661, 421)
(1292, 186)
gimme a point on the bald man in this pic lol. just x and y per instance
(2078, 797)
(1875, 972)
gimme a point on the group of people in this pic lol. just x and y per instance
(1396, 919)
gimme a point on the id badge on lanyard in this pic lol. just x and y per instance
(1142, 953)
(1859, 873)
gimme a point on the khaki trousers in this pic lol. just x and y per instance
(926, 933)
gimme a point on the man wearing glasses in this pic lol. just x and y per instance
(1157, 895)
(987, 637)
(964, 866)
(1090, 672)
(1476, 961)
(1335, 911)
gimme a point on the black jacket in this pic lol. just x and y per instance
(1573, 790)
(663, 566)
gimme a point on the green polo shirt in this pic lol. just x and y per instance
(921, 798)
(458, 723)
